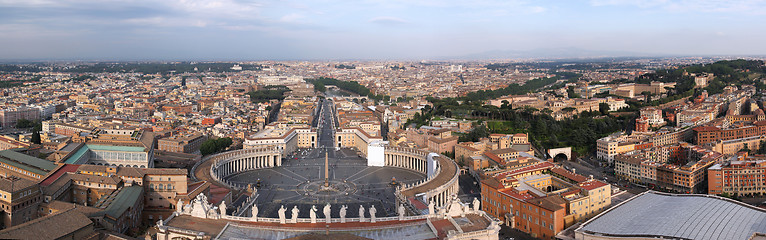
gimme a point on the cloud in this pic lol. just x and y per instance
(725, 6)
(538, 9)
(292, 18)
(637, 3)
(385, 20)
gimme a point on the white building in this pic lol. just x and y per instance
(279, 80)
(653, 116)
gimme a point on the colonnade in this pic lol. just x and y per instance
(407, 161)
(440, 197)
(438, 188)
(233, 162)
(232, 166)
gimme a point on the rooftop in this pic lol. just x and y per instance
(13, 184)
(72, 159)
(682, 216)
(26, 162)
(56, 226)
(124, 200)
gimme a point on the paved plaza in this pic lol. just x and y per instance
(300, 180)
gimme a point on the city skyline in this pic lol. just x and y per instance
(300, 30)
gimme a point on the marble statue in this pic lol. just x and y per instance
(372, 214)
(466, 209)
(442, 212)
(431, 208)
(476, 204)
(281, 211)
(454, 207)
(313, 214)
(343, 213)
(199, 207)
(160, 223)
(295, 214)
(361, 213)
(180, 206)
(188, 209)
(212, 213)
(254, 212)
(327, 212)
(222, 208)
(401, 212)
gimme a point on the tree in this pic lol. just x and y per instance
(603, 108)
(506, 105)
(319, 87)
(571, 93)
(36, 138)
(449, 154)
(745, 149)
(214, 145)
(762, 148)
(478, 132)
(268, 93)
(24, 123)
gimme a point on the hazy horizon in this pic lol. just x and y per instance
(229, 30)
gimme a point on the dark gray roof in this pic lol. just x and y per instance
(125, 199)
(685, 216)
(51, 227)
(26, 162)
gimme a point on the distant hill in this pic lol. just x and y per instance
(549, 53)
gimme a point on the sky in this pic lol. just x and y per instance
(372, 29)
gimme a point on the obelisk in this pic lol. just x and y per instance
(326, 171)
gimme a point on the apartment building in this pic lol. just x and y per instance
(618, 143)
(739, 175)
(679, 168)
(542, 200)
(19, 200)
(181, 143)
(9, 116)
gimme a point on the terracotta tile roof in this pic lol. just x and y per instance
(494, 157)
(536, 167)
(164, 171)
(60, 172)
(567, 174)
(591, 184)
(442, 140)
(92, 168)
(55, 226)
(13, 184)
(706, 129)
(517, 195)
(553, 202)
